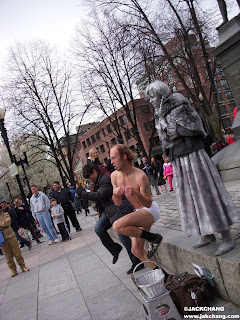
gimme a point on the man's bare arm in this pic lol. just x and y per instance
(144, 195)
(117, 191)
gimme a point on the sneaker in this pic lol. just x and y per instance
(153, 245)
(50, 242)
(25, 269)
(56, 240)
(14, 273)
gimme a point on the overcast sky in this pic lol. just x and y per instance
(50, 20)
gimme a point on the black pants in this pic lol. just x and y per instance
(63, 230)
(69, 212)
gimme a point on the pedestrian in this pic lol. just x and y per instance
(15, 223)
(23, 213)
(94, 157)
(161, 181)
(133, 183)
(11, 248)
(73, 191)
(108, 212)
(145, 166)
(57, 213)
(153, 173)
(84, 202)
(65, 197)
(40, 206)
(204, 203)
(230, 138)
(168, 171)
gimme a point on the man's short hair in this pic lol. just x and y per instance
(52, 199)
(33, 186)
(88, 170)
(122, 149)
(56, 182)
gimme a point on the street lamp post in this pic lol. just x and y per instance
(5, 139)
(21, 163)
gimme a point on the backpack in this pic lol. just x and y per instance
(189, 290)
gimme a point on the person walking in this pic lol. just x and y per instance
(168, 171)
(84, 202)
(15, 223)
(40, 206)
(108, 212)
(11, 248)
(22, 212)
(65, 197)
(73, 191)
(57, 213)
(153, 173)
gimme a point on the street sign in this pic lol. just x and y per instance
(13, 169)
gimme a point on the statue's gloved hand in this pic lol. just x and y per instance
(172, 131)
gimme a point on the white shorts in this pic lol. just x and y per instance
(154, 210)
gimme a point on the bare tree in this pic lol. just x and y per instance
(110, 67)
(40, 96)
(163, 20)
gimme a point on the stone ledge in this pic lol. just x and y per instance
(176, 255)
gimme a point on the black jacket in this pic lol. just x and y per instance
(102, 195)
(63, 197)
(23, 218)
(14, 218)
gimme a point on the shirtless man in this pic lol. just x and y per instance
(133, 182)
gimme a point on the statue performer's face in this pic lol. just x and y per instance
(155, 99)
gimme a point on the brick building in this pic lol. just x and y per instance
(104, 135)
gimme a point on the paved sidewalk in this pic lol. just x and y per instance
(76, 280)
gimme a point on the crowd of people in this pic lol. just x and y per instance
(122, 192)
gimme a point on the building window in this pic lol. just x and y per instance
(88, 142)
(228, 95)
(148, 126)
(107, 143)
(93, 138)
(122, 119)
(87, 155)
(84, 145)
(115, 124)
(127, 135)
(102, 148)
(113, 141)
(223, 110)
(76, 159)
(224, 83)
(143, 110)
(109, 128)
(220, 71)
(219, 97)
(98, 135)
(103, 132)
(226, 123)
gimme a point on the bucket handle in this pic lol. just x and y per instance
(133, 274)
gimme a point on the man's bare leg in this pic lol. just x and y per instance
(137, 224)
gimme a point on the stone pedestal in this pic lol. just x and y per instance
(228, 53)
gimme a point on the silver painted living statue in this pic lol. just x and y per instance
(204, 203)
